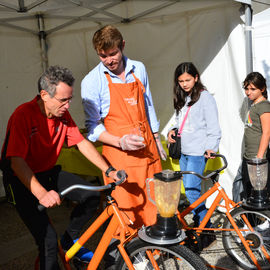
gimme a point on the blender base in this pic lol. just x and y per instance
(257, 206)
(143, 234)
(259, 200)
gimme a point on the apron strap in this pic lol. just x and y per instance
(108, 77)
(139, 82)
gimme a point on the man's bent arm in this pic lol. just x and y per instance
(108, 138)
(91, 153)
(27, 177)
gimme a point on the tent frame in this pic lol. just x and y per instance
(110, 18)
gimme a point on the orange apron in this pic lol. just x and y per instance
(127, 115)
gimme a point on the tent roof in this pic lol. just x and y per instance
(63, 13)
(161, 33)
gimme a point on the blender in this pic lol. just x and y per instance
(258, 174)
(166, 230)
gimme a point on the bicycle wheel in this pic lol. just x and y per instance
(166, 257)
(260, 221)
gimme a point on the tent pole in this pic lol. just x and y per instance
(248, 37)
(43, 44)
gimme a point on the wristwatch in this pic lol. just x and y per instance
(110, 169)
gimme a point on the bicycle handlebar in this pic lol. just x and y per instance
(213, 173)
(120, 174)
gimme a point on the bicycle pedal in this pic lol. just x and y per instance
(78, 264)
(219, 225)
(193, 242)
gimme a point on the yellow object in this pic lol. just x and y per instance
(73, 250)
(73, 161)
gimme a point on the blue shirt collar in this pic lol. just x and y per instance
(129, 67)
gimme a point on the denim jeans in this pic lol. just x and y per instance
(192, 184)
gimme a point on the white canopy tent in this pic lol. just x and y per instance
(261, 44)
(161, 33)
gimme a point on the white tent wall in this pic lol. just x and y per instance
(208, 33)
(223, 78)
(20, 67)
(261, 45)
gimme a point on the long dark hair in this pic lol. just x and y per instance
(257, 80)
(179, 95)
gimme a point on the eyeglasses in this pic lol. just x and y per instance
(64, 100)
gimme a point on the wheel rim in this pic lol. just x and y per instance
(166, 259)
(258, 240)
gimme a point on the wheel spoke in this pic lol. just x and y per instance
(174, 257)
(255, 228)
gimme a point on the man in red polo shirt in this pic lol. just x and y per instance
(35, 135)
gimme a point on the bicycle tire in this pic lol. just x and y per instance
(260, 237)
(167, 257)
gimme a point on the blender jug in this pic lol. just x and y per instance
(167, 192)
(167, 188)
(258, 174)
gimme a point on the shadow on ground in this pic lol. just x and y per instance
(18, 250)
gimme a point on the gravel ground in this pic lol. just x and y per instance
(215, 255)
(18, 250)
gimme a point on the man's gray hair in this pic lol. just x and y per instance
(51, 78)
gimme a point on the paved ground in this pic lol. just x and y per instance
(17, 247)
(18, 251)
(215, 255)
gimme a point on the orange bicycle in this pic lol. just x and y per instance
(134, 254)
(245, 233)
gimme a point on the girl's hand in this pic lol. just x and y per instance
(170, 134)
(207, 154)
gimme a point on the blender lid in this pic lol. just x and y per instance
(256, 161)
(168, 175)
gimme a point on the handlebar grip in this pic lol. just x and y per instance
(122, 175)
(211, 154)
(41, 207)
(220, 169)
(221, 156)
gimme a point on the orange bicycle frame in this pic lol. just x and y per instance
(229, 205)
(116, 224)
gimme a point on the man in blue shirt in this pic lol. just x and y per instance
(120, 113)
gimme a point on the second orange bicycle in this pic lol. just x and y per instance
(245, 232)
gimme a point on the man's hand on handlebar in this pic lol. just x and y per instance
(118, 175)
(50, 199)
(207, 154)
